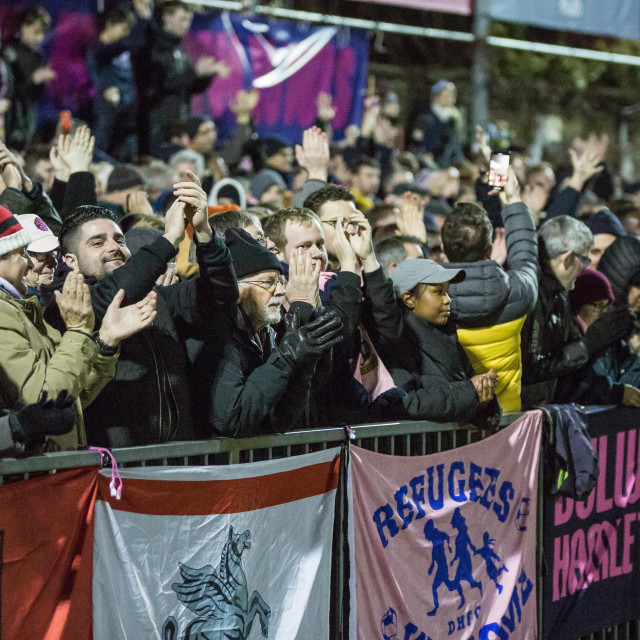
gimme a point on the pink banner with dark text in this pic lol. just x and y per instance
(462, 7)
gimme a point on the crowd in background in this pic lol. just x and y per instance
(158, 284)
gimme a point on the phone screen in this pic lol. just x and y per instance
(498, 170)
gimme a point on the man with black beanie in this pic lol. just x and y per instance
(242, 383)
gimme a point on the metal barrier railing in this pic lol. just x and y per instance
(395, 438)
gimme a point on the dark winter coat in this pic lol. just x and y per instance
(148, 400)
(551, 345)
(22, 115)
(241, 384)
(431, 366)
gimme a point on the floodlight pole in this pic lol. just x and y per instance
(480, 69)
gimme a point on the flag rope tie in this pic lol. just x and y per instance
(116, 492)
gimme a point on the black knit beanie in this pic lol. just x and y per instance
(248, 255)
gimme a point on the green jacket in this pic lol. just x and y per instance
(36, 358)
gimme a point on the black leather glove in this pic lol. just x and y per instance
(303, 345)
(609, 328)
(43, 418)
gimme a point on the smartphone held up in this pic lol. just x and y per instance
(498, 170)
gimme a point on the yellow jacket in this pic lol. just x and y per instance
(498, 348)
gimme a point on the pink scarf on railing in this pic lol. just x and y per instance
(368, 369)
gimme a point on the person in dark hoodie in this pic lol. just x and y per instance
(148, 400)
(428, 362)
(490, 306)
(165, 78)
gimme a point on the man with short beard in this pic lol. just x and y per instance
(148, 400)
(243, 384)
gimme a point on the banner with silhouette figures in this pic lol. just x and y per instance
(444, 545)
(592, 546)
(240, 551)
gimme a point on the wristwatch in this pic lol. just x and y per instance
(104, 348)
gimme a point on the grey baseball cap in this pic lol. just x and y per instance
(412, 272)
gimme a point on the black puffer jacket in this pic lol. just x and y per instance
(620, 262)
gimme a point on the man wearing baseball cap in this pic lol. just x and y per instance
(43, 251)
(427, 361)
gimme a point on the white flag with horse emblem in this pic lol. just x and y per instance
(216, 553)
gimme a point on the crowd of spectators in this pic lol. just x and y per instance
(158, 284)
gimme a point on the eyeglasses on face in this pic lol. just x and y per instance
(270, 284)
(586, 260)
(43, 256)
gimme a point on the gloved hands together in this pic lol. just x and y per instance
(304, 345)
(609, 328)
(43, 418)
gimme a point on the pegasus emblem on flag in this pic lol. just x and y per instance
(220, 598)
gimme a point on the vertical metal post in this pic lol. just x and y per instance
(479, 72)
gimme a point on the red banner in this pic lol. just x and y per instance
(462, 7)
(46, 556)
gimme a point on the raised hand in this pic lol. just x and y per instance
(510, 193)
(196, 208)
(499, 247)
(120, 322)
(326, 112)
(243, 104)
(42, 75)
(175, 223)
(411, 218)
(168, 278)
(360, 237)
(313, 155)
(209, 66)
(304, 345)
(144, 8)
(8, 158)
(59, 165)
(75, 303)
(77, 151)
(137, 202)
(303, 285)
(9, 171)
(342, 248)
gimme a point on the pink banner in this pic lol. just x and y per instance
(444, 546)
(447, 6)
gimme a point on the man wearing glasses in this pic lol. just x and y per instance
(553, 348)
(243, 384)
(43, 252)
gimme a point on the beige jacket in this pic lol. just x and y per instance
(34, 357)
